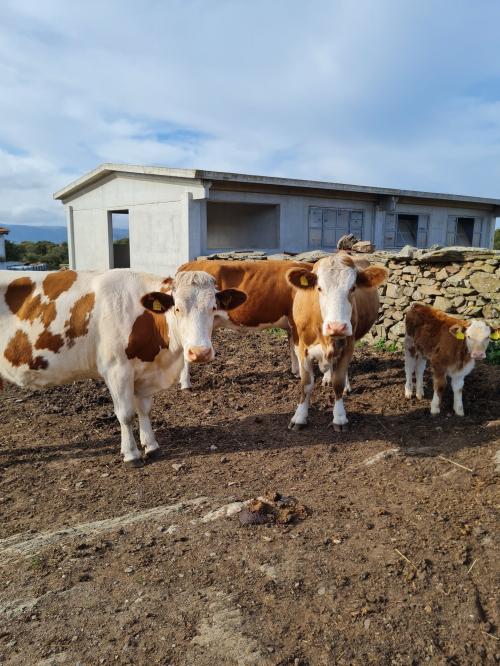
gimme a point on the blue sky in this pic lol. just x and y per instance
(392, 93)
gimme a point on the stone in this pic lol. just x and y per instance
(311, 256)
(398, 329)
(408, 291)
(458, 301)
(487, 268)
(429, 290)
(364, 247)
(485, 283)
(442, 274)
(398, 315)
(393, 290)
(452, 254)
(443, 304)
(491, 310)
(280, 256)
(417, 295)
(407, 252)
(410, 269)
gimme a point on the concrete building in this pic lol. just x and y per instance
(3, 232)
(176, 215)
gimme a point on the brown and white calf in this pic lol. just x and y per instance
(132, 329)
(269, 297)
(335, 304)
(452, 347)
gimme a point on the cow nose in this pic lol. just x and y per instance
(199, 354)
(335, 328)
(478, 355)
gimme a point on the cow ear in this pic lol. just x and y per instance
(228, 299)
(457, 331)
(302, 278)
(157, 302)
(372, 277)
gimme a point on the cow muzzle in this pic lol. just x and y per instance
(200, 354)
(477, 355)
(336, 329)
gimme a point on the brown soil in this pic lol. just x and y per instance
(393, 561)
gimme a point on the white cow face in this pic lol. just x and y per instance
(192, 305)
(476, 336)
(335, 278)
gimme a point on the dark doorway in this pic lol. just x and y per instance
(120, 238)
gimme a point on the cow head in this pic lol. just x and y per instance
(335, 278)
(476, 335)
(191, 307)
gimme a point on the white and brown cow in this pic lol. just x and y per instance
(336, 304)
(452, 347)
(132, 329)
(269, 297)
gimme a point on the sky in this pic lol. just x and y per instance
(395, 93)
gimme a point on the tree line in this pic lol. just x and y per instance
(45, 252)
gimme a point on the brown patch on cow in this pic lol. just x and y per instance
(20, 352)
(346, 259)
(18, 292)
(148, 337)
(47, 340)
(166, 285)
(78, 323)
(57, 283)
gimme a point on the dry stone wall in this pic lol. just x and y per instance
(464, 282)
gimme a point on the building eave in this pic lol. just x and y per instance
(254, 181)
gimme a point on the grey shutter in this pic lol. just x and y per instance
(390, 230)
(451, 230)
(315, 227)
(476, 233)
(356, 223)
(342, 224)
(423, 225)
(329, 228)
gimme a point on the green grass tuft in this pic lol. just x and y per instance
(493, 353)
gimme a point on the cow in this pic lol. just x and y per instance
(452, 347)
(335, 304)
(133, 330)
(269, 297)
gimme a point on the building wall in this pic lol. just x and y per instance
(159, 230)
(2, 253)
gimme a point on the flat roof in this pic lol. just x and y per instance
(106, 169)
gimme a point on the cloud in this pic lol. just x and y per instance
(373, 92)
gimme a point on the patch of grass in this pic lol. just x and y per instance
(361, 343)
(277, 332)
(386, 345)
(37, 562)
(493, 353)
(380, 344)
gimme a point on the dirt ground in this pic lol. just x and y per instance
(396, 562)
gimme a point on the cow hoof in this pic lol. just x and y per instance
(296, 426)
(134, 463)
(338, 427)
(152, 455)
(185, 388)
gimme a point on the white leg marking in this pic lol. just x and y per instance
(302, 411)
(327, 378)
(120, 381)
(419, 373)
(347, 387)
(339, 415)
(293, 357)
(146, 434)
(410, 364)
(185, 377)
(457, 384)
(435, 405)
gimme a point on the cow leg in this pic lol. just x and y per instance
(120, 383)
(347, 387)
(293, 356)
(439, 386)
(419, 374)
(327, 377)
(299, 419)
(146, 434)
(339, 383)
(457, 384)
(410, 365)
(185, 376)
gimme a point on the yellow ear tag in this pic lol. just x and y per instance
(157, 305)
(495, 335)
(303, 281)
(459, 335)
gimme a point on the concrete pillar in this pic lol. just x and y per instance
(71, 237)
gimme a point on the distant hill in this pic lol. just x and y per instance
(24, 232)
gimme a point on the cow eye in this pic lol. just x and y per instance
(319, 288)
(177, 310)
